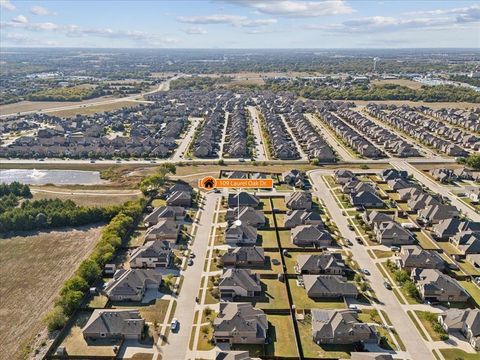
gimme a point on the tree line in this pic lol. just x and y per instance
(74, 289)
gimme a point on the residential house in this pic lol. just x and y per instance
(467, 242)
(392, 233)
(164, 212)
(242, 199)
(325, 263)
(294, 177)
(374, 218)
(244, 256)
(473, 193)
(152, 254)
(328, 286)
(343, 176)
(240, 323)
(114, 325)
(236, 283)
(242, 234)
(234, 355)
(466, 321)
(299, 200)
(340, 327)
(247, 215)
(165, 229)
(433, 214)
(180, 198)
(294, 218)
(131, 285)
(310, 235)
(366, 199)
(413, 256)
(435, 286)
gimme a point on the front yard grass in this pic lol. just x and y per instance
(205, 337)
(428, 324)
(155, 312)
(302, 301)
(382, 254)
(158, 202)
(457, 354)
(314, 351)
(472, 289)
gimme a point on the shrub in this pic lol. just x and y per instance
(55, 319)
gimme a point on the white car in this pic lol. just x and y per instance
(366, 272)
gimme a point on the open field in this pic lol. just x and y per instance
(433, 105)
(33, 269)
(85, 197)
(90, 110)
(402, 82)
(44, 105)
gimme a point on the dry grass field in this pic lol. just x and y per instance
(90, 110)
(85, 197)
(32, 268)
(44, 105)
(433, 105)
(402, 82)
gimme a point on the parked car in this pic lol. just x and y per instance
(174, 325)
(387, 284)
(366, 272)
(349, 242)
(190, 262)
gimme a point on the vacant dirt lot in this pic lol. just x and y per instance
(32, 268)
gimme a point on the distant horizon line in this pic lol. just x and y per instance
(240, 48)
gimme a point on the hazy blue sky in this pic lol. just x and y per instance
(240, 23)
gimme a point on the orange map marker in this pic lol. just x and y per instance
(210, 183)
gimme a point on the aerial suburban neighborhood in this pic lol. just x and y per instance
(239, 180)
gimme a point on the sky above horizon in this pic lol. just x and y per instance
(240, 24)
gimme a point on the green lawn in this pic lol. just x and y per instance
(270, 267)
(265, 204)
(424, 241)
(427, 324)
(158, 202)
(280, 329)
(280, 220)
(302, 301)
(274, 295)
(268, 238)
(285, 239)
(468, 268)
(312, 350)
(204, 338)
(381, 254)
(457, 354)
(279, 204)
(269, 221)
(472, 289)
(155, 312)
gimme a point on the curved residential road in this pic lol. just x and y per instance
(415, 345)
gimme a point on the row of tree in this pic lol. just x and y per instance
(15, 188)
(74, 289)
(49, 213)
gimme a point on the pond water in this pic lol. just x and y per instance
(57, 177)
